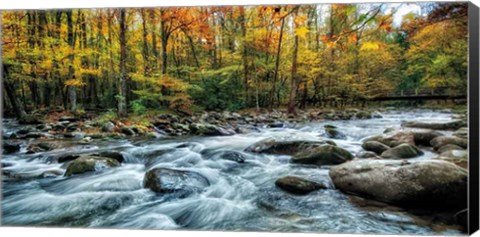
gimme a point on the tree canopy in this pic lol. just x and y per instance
(228, 58)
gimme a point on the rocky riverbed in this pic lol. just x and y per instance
(352, 171)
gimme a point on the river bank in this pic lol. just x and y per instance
(243, 172)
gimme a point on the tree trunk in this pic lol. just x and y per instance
(294, 83)
(277, 64)
(244, 52)
(71, 71)
(122, 107)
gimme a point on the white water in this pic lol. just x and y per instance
(241, 196)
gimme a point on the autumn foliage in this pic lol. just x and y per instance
(232, 57)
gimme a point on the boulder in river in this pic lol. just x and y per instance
(41, 147)
(322, 155)
(282, 146)
(111, 154)
(209, 130)
(10, 147)
(394, 138)
(453, 125)
(458, 157)
(108, 127)
(230, 155)
(444, 140)
(164, 180)
(449, 147)
(367, 155)
(422, 183)
(90, 163)
(375, 146)
(461, 132)
(402, 151)
(297, 185)
(424, 137)
(333, 132)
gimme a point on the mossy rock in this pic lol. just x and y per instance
(89, 164)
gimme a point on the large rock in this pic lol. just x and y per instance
(111, 154)
(9, 147)
(458, 157)
(461, 132)
(402, 151)
(108, 127)
(322, 155)
(453, 125)
(444, 140)
(282, 146)
(297, 185)
(163, 180)
(394, 138)
(333, 132)
(209, 130)
(423, 138)
(90, 163)
(375, 146)
(422, 183)
(448, 147)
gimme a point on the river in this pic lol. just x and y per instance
(241, 196)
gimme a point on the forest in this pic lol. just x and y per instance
(187, 59)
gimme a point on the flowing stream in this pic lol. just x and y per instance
(241, 196)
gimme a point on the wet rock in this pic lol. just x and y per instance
(388, 130)
(448, 147)
(235, 156)
(363, 115)
(209, 130)
(127, 131)
(424, 183)
(445, 140)
(458, 157)
(297, 185)
(111, 154)
(90, 163)
(163, 180)
(51, 174)
(322, 155)
(367, 155)
(108, 127)
(454, 125)
(41, 147)
(393, 139)
(461, 132)
(333, 132)
(402, 151)
(282, 146)
(377, 114)
(276, 125)
(66, 157)
(423, 138)
(375, 146)
(9, 147)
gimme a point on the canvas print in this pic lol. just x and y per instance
(324, 118)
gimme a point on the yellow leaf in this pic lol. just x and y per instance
(370, 46)
(302, 31)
